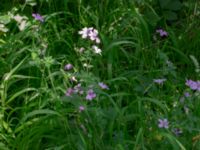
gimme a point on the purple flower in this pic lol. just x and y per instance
(103, 86)
(90, 95)
(163, 123)
(194, 85)
(68, 66)
(187, 94)
(81, 108)
(69, 92)
(177, 131)
(159, 81)
(162, 32)
(38, 17)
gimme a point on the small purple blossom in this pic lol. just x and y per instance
(81, 108)
(68, 67)
(187, 94)
(159, 81)
(194, 85)
(177, 131)
(38, 17)
(162, 32)
(163, 123)
(103, 85)
(90, 95)
(69, 92)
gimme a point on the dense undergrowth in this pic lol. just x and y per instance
(99, 75)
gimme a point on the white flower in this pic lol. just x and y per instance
(96, 49)
(85, 32)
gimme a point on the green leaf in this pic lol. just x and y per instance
(31, 2)
(174, 5)
(170, 15)
(3, 146)
(5, 19)
(164, 3)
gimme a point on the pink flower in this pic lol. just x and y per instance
(69, 92)
(81, 108)
(90, 95)
(68, 67)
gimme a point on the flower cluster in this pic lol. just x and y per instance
(90, 94)
(194, 85)
(91, 34)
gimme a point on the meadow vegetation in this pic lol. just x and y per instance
(99, 75)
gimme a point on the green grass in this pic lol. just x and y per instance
(35, 112)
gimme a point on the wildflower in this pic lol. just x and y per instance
(159, 81)
(163, 123)
(81, 108)
(38, 17)
(96, 49)
(81, 49)
(90, 33)
(177, 131)
(85, 32)
(68, 66)
(187, 94)
(73, 79)
(78, 89)
(69, 92)
(194, 85)
(162, 32)
(103, 86)
(90, 95)
(93, 35)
